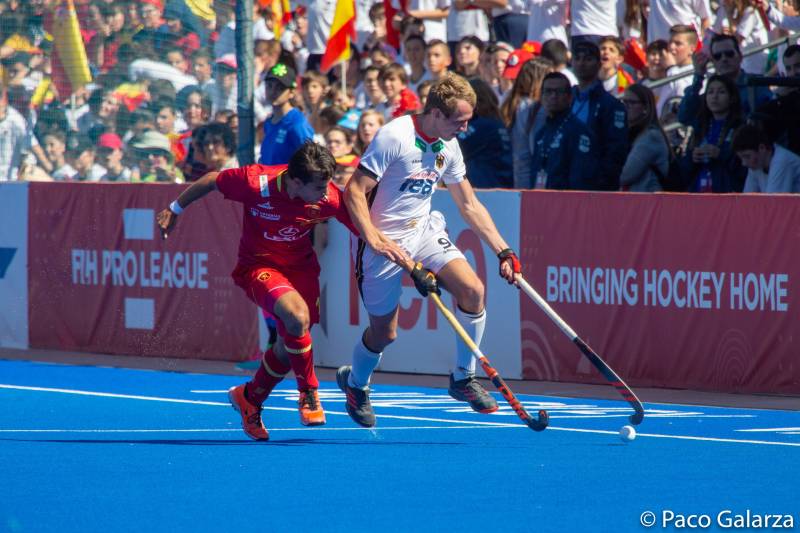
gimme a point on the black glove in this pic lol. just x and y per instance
(424, 280)
(508, 256)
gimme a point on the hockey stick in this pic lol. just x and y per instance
(533, 423)
(598, 363)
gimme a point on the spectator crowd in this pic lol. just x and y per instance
(604, 95)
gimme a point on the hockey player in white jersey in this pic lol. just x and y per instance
(389, 199)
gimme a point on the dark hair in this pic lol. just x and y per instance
(749, 137)
(415, 37)
(311, 159)
(476, 42)
(375, 10)
(486, 104)
(705, 117)
(222, 132)
(393, 70)
(721, 38)
(791, 50)
(650, 118)
(96, 99)
(659, 45)
(586, 48)
(556, 51)
(556, 76)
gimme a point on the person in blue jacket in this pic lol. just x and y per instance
(603, 114)
(288, 129)
(727, 59)
(565, 156)
(485, 144)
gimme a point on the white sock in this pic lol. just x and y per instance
(364, 362)
(474, 326)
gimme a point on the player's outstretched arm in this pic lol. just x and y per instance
(479, 219)
(355, 198)
(167, 218)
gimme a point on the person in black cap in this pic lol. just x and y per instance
(287, 129)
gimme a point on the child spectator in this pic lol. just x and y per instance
(771, 167)
(203, 70)
(682, 44)
(225, 77)
(400, 100)
(380, 56)
(287, 129)
(368, 125)
(423, 90)
(55, 146)
(468, 56)
(175, 58)
(369, 95)
(81, 157)
(338, 141)
(341, 98)
(414, 55)
(110, 154)
(219, 147)
(557, 52)
(615, 79)
(154, 159)
(438, 59)
(314, 87)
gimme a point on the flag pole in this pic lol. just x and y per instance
(344, 76)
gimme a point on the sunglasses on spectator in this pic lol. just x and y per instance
(558, 91)
(727, 53)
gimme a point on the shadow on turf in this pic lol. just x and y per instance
(211, 442)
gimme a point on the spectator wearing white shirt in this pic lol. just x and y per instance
(594, 19)
(81, 156)
(364, 24)
(465, 18)
(665, 14)
(557, 52)
(15, 138)
(547, 19)
(320, 18)
(771, 167)
(682, 44)
(733, 18)
(433, 13)
(509, 19)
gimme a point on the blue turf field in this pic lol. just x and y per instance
(102, 449)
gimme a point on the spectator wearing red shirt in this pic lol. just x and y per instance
(400, 100)
(277, 266)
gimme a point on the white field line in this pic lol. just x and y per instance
(421, 419)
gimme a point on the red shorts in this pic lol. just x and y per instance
(265, 285)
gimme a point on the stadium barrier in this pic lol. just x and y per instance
(680, 291)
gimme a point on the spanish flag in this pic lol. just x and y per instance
(70, 64)
(281, 16)
(343, 30)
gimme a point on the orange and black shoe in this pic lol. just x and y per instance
(251, 414)
(311, 413)
(470, 391)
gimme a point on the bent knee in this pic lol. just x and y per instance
(298, 322)
(470, 297)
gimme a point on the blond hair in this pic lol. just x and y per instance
(445, 93)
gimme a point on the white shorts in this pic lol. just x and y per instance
(380, 280)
